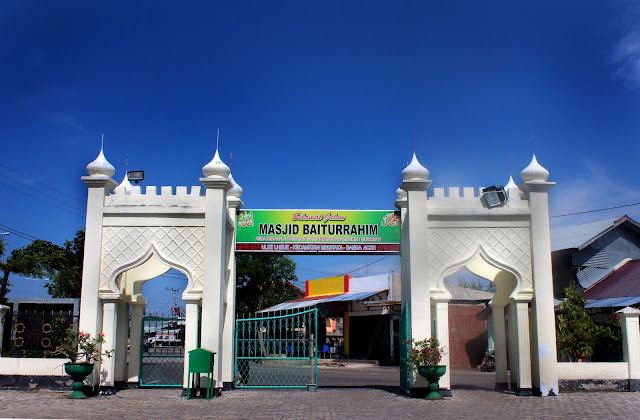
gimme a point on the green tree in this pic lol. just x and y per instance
(62, 265)
(575, 331)
(33, 260)
(66, 276)
(264, 280)
(6, 271)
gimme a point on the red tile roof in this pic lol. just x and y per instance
(625, 281)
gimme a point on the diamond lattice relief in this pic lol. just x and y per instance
(182, 246)
(448, 246)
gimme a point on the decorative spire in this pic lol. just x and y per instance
(510, 184)
(415, 171)
(235, 190)
(216, 168)
(125, 186)
(534, 172)
(101, 167)
(401, 194)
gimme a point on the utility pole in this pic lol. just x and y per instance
(175, 303)
(35, 290)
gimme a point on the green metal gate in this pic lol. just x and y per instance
(277, 349)
(162, 352)
(405, 370)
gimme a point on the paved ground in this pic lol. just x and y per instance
(351, 393)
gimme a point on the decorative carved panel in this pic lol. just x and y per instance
(182, 246)
(451, 245)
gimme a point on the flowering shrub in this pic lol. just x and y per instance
(425, 352)
(80, 345)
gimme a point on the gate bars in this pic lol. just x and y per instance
(162, 352)
(276, 349)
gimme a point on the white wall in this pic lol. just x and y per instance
(32, 367)
(593, 370)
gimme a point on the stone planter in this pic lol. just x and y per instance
(432, 374)
(78, 371)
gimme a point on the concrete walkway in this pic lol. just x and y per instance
(375, 397)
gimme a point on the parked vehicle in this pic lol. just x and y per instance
(164, 340)
(488, 361)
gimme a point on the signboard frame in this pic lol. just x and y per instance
(317, 231)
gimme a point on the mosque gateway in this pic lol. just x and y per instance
(133, 236)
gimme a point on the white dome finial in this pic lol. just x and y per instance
(235, 190)
(216, 168)
(534, 172)
(401, 194)
(101, 166)
(415, 171)
(510, 184)
(125, 186)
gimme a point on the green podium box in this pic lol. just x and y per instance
(201, 361)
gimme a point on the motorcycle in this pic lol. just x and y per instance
(488, 361)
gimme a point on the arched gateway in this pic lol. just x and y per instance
(132, 237)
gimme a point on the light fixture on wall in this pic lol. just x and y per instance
(135, 176)
(494, 195)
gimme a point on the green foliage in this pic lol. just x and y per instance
(78, 345)
(66, 278)
(576, 332)
(425, 352)
(6, 270)
(58, 332)
(62, 265)
(264, 280)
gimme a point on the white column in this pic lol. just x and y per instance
(90, 320)
(442, 334)
(631, 344)
(215, 267)
(524, 348)
(500, 345)
(417, 260)
(135, 343)
(401, 203)
(542, 305)
(228, 349)
(190, 334)
(513, 346)
(3, 313)
(90, 307)
(122, 338)
(107, 368)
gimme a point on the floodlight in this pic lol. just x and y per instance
(135, 176)
(494, 195)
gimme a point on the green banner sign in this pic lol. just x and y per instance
(318, 231)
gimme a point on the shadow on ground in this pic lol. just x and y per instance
(388, 379)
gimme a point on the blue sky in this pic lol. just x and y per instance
(317, 102)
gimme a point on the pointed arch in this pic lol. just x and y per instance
(152, 250)
(482, 253)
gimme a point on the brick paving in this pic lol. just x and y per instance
(369, 402)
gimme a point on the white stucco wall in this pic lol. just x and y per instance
(32, 367)
(593, 370)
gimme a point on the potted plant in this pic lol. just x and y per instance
(82, 350)
(425, 356)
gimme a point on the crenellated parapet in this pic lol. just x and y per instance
(180, 197)
(470, 201)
